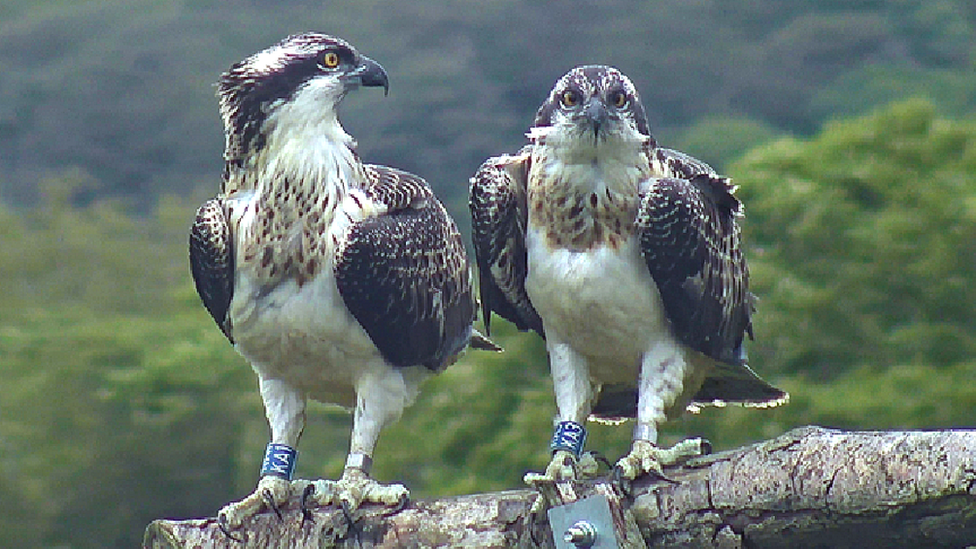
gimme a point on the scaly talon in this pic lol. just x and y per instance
(646, 458)
(350, 520)
(588, 466)
(400, 506)
(269, 502)
(222, 524)
(600, 458)
(271, 493)
(355, 488)
(563, 467)
(622, 484)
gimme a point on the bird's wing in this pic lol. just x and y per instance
(498, 220)
(212, 261)
(403, 274)
(672, 163)
(690, 241)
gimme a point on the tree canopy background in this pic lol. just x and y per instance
(848, 125)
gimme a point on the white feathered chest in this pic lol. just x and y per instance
(585, 275)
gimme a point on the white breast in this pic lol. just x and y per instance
(602, 302)
(304, 334)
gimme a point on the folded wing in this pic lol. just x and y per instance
(498, 221)
(403, 274)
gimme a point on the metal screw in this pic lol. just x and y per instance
(581, 534)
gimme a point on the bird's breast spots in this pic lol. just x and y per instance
(584, 221)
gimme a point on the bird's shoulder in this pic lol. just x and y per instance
(497, 196)
(505, 171)
(394, 188)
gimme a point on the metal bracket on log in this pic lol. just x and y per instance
(585, 524)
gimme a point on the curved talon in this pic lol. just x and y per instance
(600, 458)
(222, 524)
(706, 447)
(350, 520)
(623, 484)
(269, 501)
(347, 512)
(306, 512)
(400, 506)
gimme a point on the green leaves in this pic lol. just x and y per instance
(862, 240)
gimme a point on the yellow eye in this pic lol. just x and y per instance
(330, 60)
(569, 98)
(618, 98)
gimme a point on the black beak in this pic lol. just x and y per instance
(596, 113)
(371, 73)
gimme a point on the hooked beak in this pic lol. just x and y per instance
(370, 73)
(596, 112)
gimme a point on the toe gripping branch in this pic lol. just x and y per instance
(569, 436)
(279, 461)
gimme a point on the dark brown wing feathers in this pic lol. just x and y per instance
(498, 222)
(403, 275)
(212, 262)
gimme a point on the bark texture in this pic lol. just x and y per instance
(811, 487)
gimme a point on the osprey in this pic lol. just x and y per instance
(339, 281)
(625, 257)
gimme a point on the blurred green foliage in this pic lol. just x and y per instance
(122, 402)
(863, 243)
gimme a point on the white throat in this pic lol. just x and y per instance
(306, 143)
(569, 145)
(584, 164)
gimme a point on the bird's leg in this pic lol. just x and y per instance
(571, 382)
(285, 409)
(662, 376)
(379, 401)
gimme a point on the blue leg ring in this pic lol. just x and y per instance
(279, 460)
(569, 436)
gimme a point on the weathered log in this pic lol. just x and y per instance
(811, 487)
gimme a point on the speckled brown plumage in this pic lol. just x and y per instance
(211, 262)
(339, 282)
(582, 221)
(398, 260)
(404, 275)
(683, 216)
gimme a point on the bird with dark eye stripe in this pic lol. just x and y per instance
(339, 281)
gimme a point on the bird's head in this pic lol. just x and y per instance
(305, 75)
(589, 105)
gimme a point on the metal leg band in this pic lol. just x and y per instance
(359, 461)
(644, 431)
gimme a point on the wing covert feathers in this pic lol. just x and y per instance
(689, 239)
(497, 201)
(212, 262)
(403, 274)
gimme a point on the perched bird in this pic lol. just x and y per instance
(626, 258)
(339, 281)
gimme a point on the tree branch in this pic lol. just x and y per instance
(811, 487)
